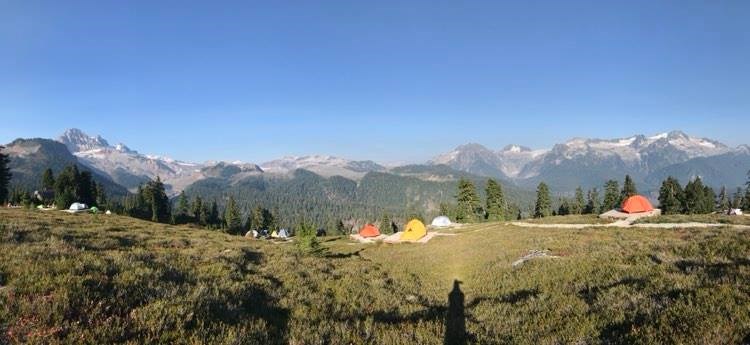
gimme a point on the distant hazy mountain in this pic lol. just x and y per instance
(727, 169)
(589, 162)
(30, 157)
(325, 166)
(473, 158)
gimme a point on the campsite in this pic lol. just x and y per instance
(375, 172)
(600, 284)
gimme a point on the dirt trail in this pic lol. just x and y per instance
(628, 223)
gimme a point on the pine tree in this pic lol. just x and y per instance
(579, 203)
(84, 191)
(628, 188)
(196, 208)
(592, 205)
(709, 200)
(232, 217)
(565, 207)
(214, 219)
(269, 220)
(745, 205)
(204, 216)
(48, 180)
(543, 206)
(26, 200)
(737, 199)
(65, 187)
(723, 203)
(182, 213)
(249, 222)
(5, 175)
(100, 195)
(307, 241)
(386, 225)
(258, 219)
(671, 196)
(157, 201)
(612, 195)
(495, 205)
(694, 201)
(468, 208)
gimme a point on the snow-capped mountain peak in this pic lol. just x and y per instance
(77, 141)
(636, 151)
(124, 149)
(513, 148)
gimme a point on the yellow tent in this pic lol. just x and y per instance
(414, 231)
(274, 234)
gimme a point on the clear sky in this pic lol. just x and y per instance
(383, 80)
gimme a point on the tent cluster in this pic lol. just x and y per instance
(414, 230)
(281, 234)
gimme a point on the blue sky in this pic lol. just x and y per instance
(383, 80)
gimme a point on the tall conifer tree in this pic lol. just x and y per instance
(612, 195)
(495, 205)
(671, 196)
(468, 207)
(543, 205)
(628, 188)
(232, 217)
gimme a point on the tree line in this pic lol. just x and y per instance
(694, 198)
(70, 186)
(5, 175)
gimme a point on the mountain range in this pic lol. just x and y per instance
(590, 162)
(577, 162)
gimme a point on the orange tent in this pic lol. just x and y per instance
(636, 204)
(369, 231)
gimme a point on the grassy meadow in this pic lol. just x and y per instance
(698, 218)
(71, 279)
(570, 219)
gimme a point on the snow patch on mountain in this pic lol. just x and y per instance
(323, 165)
(638, 151)
(130, 168)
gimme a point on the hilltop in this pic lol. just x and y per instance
(110, 279)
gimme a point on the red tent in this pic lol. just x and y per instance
(369, 231)
(636, 204)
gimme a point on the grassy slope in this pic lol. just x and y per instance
(82, 278)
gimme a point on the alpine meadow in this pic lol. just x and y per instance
(413, 172)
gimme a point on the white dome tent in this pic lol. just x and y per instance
(441, 221)
(77, 206)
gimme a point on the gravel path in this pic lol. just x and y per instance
(626, 223)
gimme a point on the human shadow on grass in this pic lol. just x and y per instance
(453, 315)
(455, 321)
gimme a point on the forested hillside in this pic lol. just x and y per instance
(324, 201)
(29, 158)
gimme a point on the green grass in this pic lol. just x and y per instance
(96, 279)
(571, 219)
(698, 218)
